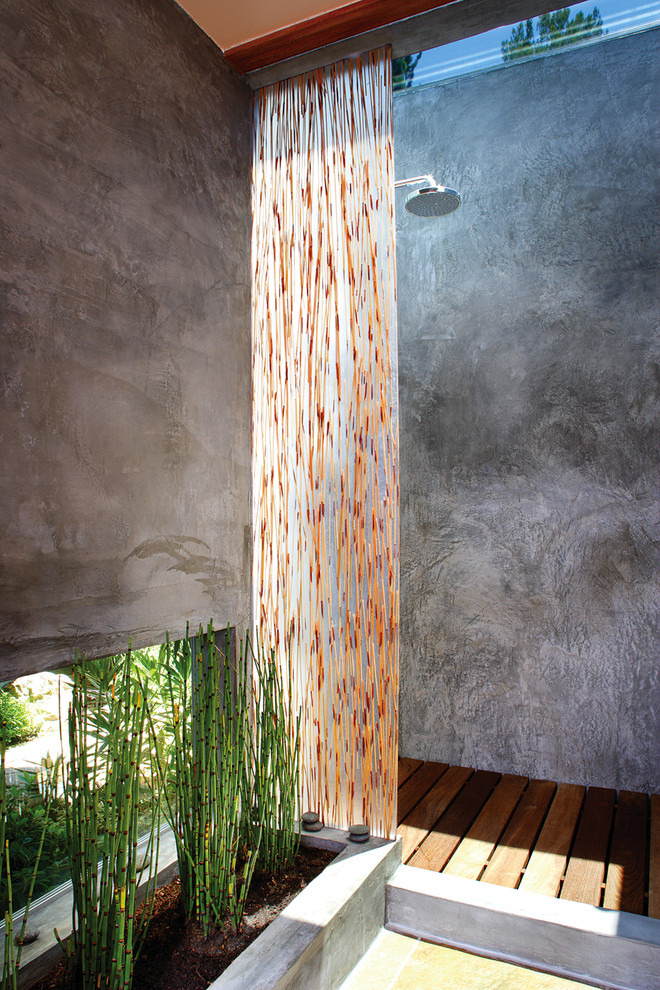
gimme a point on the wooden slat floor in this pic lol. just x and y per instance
(593, 845)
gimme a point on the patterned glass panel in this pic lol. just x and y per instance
(325, 428)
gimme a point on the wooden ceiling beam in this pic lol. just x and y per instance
(416, 33)
(325, 29)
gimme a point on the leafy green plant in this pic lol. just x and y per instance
(34, 818)
(20, 718)
(160, 673)
(108, 722)
(403, 71)
(11, 955)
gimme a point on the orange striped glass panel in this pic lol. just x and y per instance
(325, 431)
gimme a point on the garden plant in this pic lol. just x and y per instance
(35, 818)
(199, 731)
(20, 718)
(12, 950)
(232, 771)
(108, 729)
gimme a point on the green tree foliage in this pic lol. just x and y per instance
(8, 801)
(31, 818)
(403, 70)
(553, 30)
(20, 718)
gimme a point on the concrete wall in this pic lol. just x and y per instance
(125, 362)
(529, 419)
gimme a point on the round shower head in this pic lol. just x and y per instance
(433, 201)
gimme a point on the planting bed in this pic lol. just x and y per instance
(176, 956)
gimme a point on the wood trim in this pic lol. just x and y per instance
(417, 33)
(325, 29)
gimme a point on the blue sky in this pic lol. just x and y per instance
(484, 51)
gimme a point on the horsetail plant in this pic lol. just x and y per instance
(276, 758)
(232, 771)
(209, 776)
(108, 732)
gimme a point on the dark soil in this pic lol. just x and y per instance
(176, 956)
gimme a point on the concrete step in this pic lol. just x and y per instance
(399, 962)
(575, 941)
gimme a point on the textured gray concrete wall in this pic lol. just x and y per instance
(125, 362)
(529, 379)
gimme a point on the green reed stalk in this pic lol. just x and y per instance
(233, 771)
(276, 773)
(209, 775)
(108, 727)
(50, 786)
(9, 971)
(9, 974)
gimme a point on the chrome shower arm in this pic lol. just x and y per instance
(417, 178)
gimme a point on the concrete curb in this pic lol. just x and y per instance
(348, 898)
(606, 948)
(318, 939)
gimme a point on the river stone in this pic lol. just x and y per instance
(310, 822)
(30, 935)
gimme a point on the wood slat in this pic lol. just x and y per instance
(654, 858)
(452, 821)
(548, 861)
(416, 826)
(586, 866)
(407, 768)
(436, 849)
(472, 853)
(624, 882)
(414, 789)
(512, 853)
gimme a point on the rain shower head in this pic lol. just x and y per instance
(431, 200)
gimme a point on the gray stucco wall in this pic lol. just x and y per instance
(529, 379)
(125, 361)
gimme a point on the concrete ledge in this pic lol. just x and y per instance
(318, 939)
(315, 942)
(605, 948)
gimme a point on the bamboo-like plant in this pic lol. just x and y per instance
(276, 766)
(233, 770)
(108, 729)
(209, 774)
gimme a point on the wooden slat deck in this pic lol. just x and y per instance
(562, 840)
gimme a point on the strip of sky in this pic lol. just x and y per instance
(484, 51)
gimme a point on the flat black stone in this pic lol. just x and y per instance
(358, 833)
(312, 826)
